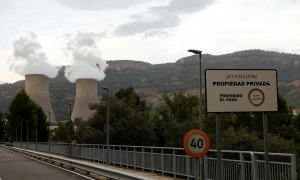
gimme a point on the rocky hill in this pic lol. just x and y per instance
(151, 81)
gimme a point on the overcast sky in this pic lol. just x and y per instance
(154, 31)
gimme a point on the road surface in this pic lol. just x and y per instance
(14, 166)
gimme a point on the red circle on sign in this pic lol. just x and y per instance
(259, 99)
(189, 141)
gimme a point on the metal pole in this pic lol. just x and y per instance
(16, 133)
(21, 135)
(36, 132)
(202, 177)
(266, 146)
(200, 97)
(107, 125)
(49, 132)
(27, 133)
(200, 82)
(294, 167)
(197, 163)
(70, 129)
(218, 142)
(200, 116)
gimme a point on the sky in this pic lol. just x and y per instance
(154, 31)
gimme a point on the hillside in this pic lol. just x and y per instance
(151, 81)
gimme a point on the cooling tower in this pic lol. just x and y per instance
(86, 93)
(37, 87)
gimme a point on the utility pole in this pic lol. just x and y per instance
(198, 52)
(49, 131)
(70, 120)
(27, 133)
(21, 135)
(16, 133)
(36, 132)
(107, 124)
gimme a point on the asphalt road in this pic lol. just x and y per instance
(14, 167)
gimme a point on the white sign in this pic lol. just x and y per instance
(241, 90)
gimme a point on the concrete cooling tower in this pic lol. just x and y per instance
(37, 87)
(86, 93)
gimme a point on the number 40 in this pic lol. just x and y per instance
(197, 143)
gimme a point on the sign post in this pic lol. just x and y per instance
(218, 142)
(266, 146)
(241, 90)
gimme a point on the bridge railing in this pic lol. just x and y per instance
(236, 165)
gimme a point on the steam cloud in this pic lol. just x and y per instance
(28, 58)
(87, 61)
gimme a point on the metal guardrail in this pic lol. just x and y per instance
(103, 171)
(236, 165)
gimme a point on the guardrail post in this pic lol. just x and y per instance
(174, 164)
(49, 147)
(222, 166)
(294, 167)
(152, 161)
(143, 160)
(162, 161)
(108, 153)
(187, 166)
(114, 155)
(242, 166)
(254, 169)
(134, 158)
(205, 161)
(102, 154)
(121, 156)
(98, 155)
(127, 157)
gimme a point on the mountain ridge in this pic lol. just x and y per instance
(151, 81)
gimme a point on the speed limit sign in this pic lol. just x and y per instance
(196, 143)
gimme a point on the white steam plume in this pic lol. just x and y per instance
(28, 58)
(86, 57)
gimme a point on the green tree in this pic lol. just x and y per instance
(174, 117)
(182, 107)
(296, 130)
(129, 121)
(86, 134)
(23, 110)
(61, 133)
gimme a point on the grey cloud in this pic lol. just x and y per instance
(161, 18)
(95, 5)
(27, 49)
(28, 58)
(183, 6)
(139, 25)
(155, 33)
(87, 38)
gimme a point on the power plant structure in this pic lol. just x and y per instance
(37, 87)
(86, 93)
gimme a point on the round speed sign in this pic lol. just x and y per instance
(196, 143)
